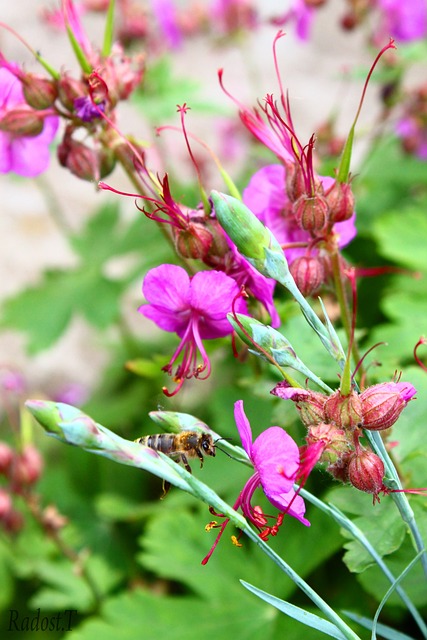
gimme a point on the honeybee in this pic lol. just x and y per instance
(180, 446)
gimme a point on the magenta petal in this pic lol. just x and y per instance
(243, 427)
(212, 293)
(30, 155)
(167, 287)
(296, 508)
(406, 390)
(166, 320)
(276, 458)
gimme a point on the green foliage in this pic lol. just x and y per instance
(43, 312)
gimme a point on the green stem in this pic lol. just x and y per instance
(399, 497)
(301, 584)
(358, 535)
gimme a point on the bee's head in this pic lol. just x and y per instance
(208, 445)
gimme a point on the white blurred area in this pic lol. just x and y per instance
(31, 240)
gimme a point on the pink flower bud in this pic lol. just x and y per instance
(13, 521)
(295, 183)
(308, 273)
(341, 202)
(6, 457)
(311, 212)
(310, 404)
(335, 441)
(39, 92)
(366, 472)
(83, 161)
(5, 503)
(27, 468)
(193, 242)
(69, 89)
(22, 121)
(344, 411)
(383, 403)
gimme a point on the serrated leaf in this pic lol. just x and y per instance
(40, 311)
(385, 538)
(401, 236)
(67, 588)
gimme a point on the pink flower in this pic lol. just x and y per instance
(195, 308)
(405, 21)
(167, 17)
(276, 460)
(302, 15)
(266, 197)
(27, 155)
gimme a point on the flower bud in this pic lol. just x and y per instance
(295, 183)
(311, 212)
(6, 457)
(83, 161)
(69, 89)
(5, 503)
(39, 92)
(193, 242)
(27, 467)
(310, 404)
(13, 521)
(366, 471)
(344, 411)
(334, 440)
(308, 273)
(341, 202)
(250, 236)
(22, 122)
(383, 403)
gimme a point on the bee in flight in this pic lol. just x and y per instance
(180, 447)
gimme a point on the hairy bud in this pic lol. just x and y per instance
(308, 273)
(22, 122)
(383, 403)
(366, 471)
(344, 411)
(311, 212)
(39, 92)
(341, 202)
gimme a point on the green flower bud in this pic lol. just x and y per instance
(251, 237)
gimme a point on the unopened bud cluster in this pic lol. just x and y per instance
(21, 470)
(334, 426)
(315, 210)
(88, 145)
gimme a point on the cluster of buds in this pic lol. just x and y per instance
(21, 471)
(86, 104)
(314, 205)
(335, 423)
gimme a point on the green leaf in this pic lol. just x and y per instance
(66, 588)
(43, 312)
(401, 235)
(385, 538)
(386, 632)
(40, 311)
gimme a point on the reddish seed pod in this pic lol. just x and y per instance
(311, 212)
(344, 411)
(366, 472)
(383, 403)
(308, 273)
(341, 202)
(22, 122)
